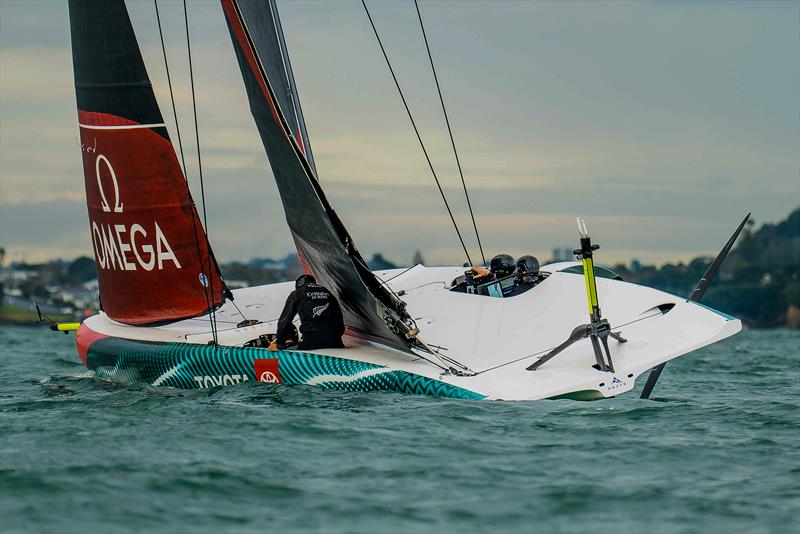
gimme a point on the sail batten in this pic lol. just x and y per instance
(322, 241)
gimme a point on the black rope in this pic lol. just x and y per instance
(450, 131)
(419, 138)
(209, 280)
(169, 83)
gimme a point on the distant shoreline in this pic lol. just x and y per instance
(10, 315)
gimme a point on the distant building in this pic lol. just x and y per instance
(563, 254)
(635, 265)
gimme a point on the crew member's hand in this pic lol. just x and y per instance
(480, 272)
(273, 346)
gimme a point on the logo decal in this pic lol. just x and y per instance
(267, 376)
(114, 244)
(104, 200)
(205, 382)
(267, 370)
(319, 310)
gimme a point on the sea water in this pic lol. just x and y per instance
(716, 450)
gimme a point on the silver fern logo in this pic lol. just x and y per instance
(319, 310)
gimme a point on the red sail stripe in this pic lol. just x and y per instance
(300, 141)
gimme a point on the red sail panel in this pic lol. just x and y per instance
(153, 259)
(151, 253)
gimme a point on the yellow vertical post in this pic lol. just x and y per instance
(588, 271)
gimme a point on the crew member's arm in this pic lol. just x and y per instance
(285, 321)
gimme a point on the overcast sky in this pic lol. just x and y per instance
(660, 123)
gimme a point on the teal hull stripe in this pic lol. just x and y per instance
(188, 366)
(723, 314)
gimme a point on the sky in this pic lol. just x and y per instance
(660, 123)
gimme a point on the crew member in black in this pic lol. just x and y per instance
(321, 322)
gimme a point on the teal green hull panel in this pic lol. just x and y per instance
(189, 366)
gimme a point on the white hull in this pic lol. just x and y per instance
(497, 338)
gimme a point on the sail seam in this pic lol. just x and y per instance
(122, 126)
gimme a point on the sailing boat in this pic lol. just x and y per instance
(168, 318)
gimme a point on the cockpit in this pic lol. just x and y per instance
(504, 277)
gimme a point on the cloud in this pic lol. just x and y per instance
(661, 123)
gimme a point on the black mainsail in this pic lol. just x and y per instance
(323, 243)
(267, 37)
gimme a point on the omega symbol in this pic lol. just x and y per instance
(268, 376)
(104, 200)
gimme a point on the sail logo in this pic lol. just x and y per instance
(115, 243)
(104, 200)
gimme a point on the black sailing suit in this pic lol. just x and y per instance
(321, 322)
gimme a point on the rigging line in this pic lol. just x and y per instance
(400, 274)
(238, 310)
(169, 83)
(180, 148)
(450, 131)
(419, 137)
(379, 279)
(421, 344)
(551, 348)
(209, 281)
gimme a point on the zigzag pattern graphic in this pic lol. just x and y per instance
(420, 385)
(180, 364)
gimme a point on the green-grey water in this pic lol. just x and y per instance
(716, 450)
